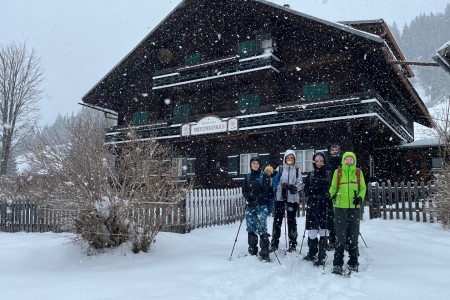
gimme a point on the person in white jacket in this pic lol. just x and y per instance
(289, 185)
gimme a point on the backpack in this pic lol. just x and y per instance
(358, 177)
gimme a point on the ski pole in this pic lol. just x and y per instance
(285, 231)
(304, 231)
(363, 240)
(237, 234)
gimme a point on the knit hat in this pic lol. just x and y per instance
(269, 169)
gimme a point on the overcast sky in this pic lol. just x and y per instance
(79, 41)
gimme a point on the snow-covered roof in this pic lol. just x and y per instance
(423, 143)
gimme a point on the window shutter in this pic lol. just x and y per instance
(140, 118)
(315, 91)
(192, 59)
(233, 165)
(246, 48)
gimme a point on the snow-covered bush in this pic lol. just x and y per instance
(111, 189)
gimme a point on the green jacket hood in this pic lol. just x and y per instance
(344, 166)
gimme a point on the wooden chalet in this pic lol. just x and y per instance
(442, 57)
(224, 80)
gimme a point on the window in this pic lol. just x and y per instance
(246, 48)
(249, 101)
(184, 165)
(244, 162)
(436, 163)
(192, 59)
(181, 110)
(303, 159)
(140, 118)
(265, 42)
(315, 91)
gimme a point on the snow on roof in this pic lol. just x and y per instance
(423, 143)
(447, 44)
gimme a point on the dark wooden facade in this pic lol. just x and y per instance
(290, 80)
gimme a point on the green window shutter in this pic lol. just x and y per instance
(249, 101)
(316, 91)
(140, 118)
(192, 59)
(246, 48)
(181, 110)
(233, 165)
(265, 160)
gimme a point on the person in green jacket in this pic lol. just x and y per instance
(347, 193)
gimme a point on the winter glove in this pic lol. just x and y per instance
(357, 201)
(292, 189)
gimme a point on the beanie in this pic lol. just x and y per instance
(268, 169)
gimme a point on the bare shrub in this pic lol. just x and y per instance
(441, 198)
(118, 193)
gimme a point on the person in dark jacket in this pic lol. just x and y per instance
(333, 163)
(319, 209)
(256, 191)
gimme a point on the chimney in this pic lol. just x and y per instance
(287, 5)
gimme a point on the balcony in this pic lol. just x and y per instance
(215, 69)
(283, 114)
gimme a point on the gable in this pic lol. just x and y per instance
(201, 30)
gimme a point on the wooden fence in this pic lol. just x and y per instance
(204, 208)
(410, 201)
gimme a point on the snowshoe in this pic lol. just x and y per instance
(352, 267)
(319, 262)
(338, 270)
(310, 257)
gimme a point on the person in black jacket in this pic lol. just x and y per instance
(319, 210)
(256, 191)
(333, 163)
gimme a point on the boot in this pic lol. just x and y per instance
(352, 263)
(264, 245)
(292, 246)
(322, 252)
(252, 243)
(312, 244)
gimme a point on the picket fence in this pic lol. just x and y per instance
(412, 201)
(204, 208)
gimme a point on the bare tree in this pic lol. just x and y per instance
(118, 193)
(20, 79)
(441, 198)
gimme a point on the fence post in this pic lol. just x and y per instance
(408, 186)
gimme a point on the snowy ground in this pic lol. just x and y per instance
(404, 260)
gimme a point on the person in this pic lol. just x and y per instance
(256, 189)
(334, 158)
(333, 163)
(273, 175)
(319, 208)
(289, 185)
(347, 192)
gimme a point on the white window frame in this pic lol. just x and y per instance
(244, 162)
(303, 159)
